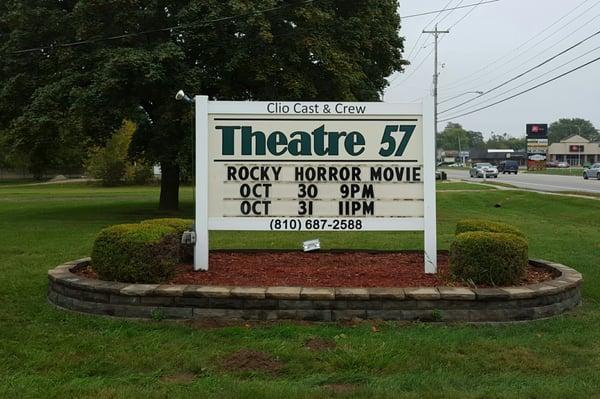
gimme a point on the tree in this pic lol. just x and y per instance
(454, 133)
(506, 141)
(323, 50)
(566, 127)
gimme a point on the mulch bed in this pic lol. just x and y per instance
(323, 269)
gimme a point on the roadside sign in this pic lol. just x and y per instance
(537, 145)
(314, 166)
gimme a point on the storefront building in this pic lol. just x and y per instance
(575, 150)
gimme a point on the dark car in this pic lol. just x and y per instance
(508, 167)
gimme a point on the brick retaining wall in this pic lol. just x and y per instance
(70, 291)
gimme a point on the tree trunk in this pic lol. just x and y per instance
(169, 187)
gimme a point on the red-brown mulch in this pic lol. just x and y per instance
(323, 269)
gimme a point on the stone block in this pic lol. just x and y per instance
(139, 289)
(489, 294)
(91, 296)
(225, 314)
(248, 292)
(110, 287)
(454, 293)
(194, 302)
(145, 312)
(422, 293)
(543, 289)
(314, 315)
(363, 305)
(283, 292)
(287, 314)
(292, 305)
(226, 303)
(170, 290)
(387, 293)
(156, 301)
(339, 315)
(261, 304)
(123, 299)
(399, 305)
(316, 294)
(519, 292)
(207, 291)
(352, 293)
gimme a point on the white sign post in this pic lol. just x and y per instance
(314, 166)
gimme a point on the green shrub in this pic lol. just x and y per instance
(186, 253)
(109, 163)
(138, 172)
(489, 258)
(136, 253)
(486, 225)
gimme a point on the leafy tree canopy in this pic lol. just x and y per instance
(566, 127)
(73, 96)
(454, 134)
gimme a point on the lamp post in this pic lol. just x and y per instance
(189, 237)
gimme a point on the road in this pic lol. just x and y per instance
(538, 182)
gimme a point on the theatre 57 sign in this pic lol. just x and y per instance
(307, 166)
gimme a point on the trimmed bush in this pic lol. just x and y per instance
(186, 253)
(486, 225)
(180, 225)
(489, 258)
(136, 253)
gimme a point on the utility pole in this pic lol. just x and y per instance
(436, 33)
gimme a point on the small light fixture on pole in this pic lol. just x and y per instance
(181, 96)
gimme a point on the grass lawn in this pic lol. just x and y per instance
(453, 186)
(45, 352)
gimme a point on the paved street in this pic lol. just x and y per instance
(533, 181)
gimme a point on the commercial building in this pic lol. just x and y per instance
(495, 156)
(575, 150)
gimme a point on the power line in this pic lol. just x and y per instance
(524, 91)
(465, 16)
(535, 56)
(450, 9)
(431, 51)
(526, 72)
(170, 28)
(471, 77)
(409, 56)
(537, 77)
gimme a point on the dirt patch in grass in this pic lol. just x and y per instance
(180, 378)
(249, 360)
(320, 344)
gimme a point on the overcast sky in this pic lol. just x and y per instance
(522, 34)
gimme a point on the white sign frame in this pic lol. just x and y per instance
(203, 223)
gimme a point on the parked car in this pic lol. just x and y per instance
(552, 164)
(593, 172)
(481, 169)
(563, 165)
(508, 167)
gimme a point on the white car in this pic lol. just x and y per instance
(483, 170)
(593, 172)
